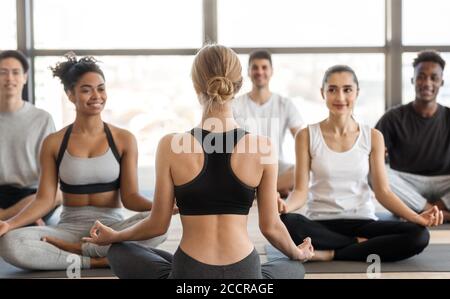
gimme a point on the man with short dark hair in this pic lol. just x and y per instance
(417, 137)
(23, 128)
(266, 113)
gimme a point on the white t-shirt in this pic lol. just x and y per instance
(339, 180)
(271, 119)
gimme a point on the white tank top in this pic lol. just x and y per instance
(339, 186)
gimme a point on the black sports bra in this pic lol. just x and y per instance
(216, 190)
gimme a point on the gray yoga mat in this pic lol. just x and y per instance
(9, 271)
(435, 258)
(445, 226)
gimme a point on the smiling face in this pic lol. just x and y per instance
(340, 92)
(427, 80)
(12, 78)
(260, 71)
(89, 94)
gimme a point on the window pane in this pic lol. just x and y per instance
(8, 31)
(284, 23)
(426, 22)
(148, 95)
(103, 24)
(408, 73)
(299, 77)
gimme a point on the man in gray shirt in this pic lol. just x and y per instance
(23, 128)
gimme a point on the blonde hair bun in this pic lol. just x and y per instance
(220, 89)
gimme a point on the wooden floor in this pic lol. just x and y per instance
(437, 237)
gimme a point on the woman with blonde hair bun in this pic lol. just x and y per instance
(214, 184)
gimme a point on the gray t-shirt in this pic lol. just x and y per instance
(21, 136)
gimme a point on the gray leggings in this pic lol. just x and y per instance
(23, 247)
(130, 260)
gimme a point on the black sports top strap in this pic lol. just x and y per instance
(90, 188)
(65, 141)
(228, 139)
(111, 143)
(63, 146)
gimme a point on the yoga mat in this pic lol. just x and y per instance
(9, 271)
(435, 258)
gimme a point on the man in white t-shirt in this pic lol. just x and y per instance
(263, 112)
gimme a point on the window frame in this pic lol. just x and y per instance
(393, 48)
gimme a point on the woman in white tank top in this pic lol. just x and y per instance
(341, 154)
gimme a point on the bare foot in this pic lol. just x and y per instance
(284, 193)
(323, 255)
(63, 245)
(40, 222)
(360, 239)
(99, 262)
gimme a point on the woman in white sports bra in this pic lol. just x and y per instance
(334, 159)
(96, 165)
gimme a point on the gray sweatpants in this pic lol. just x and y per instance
(416, 190)
(129, 260)
(23, 247)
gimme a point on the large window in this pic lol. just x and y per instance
(297, 23)
(426, 22)
(147, 47)
(106, 24)
(408, 73)
(8, 31)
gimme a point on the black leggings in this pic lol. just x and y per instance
(391, 240)
(130, 260)
(10, 195)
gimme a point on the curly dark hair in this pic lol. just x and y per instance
(71, 70)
